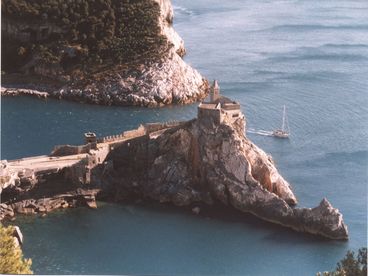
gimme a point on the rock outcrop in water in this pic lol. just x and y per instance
(116, 53)
(207, 160)
(204, 161)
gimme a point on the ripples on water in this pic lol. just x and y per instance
(311, 56)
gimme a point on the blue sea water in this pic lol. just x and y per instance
(311, 56)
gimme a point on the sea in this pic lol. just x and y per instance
(309, 55)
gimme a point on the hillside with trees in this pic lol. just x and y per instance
(110, 52)
(73, 36)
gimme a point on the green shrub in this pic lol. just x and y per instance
(11, 257)
(349, 265)
(112, 31)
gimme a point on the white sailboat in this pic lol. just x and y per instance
(284, 132)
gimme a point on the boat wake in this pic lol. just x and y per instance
(284, 132)
(182, 10)
(260, 132)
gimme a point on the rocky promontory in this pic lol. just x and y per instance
(206, 161)
(111, 53)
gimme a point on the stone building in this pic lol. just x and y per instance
(90, 138)
(218, 108)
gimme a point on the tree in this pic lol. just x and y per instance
(11, 257)
(117, 31)
(362, 259)
(349, 265)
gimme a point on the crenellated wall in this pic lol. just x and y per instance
(140, 131)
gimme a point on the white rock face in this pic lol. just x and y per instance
(245, 161)
(167, 17)
(263, 170)
(167, 81)
(170, 81)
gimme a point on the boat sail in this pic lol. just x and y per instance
(284, 132)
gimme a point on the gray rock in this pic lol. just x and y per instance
(6, 211)
(204, 161)
(196, 210)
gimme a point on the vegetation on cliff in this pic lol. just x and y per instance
(110, 52)
(79, 36)
(11, 257)
(350, 265)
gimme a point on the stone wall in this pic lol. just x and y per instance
(110, 138)
(135, 132)
(140, 131)
(207, 115)
(153, 127)
(231, 115)
(63, 150)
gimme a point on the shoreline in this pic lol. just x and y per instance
(14, 92)
(219, 212)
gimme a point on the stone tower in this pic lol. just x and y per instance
(215, 92)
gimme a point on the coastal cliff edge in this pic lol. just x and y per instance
(114, 53)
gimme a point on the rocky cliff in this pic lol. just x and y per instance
(111, 52)
(206, 162)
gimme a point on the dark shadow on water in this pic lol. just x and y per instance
(230, 215)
